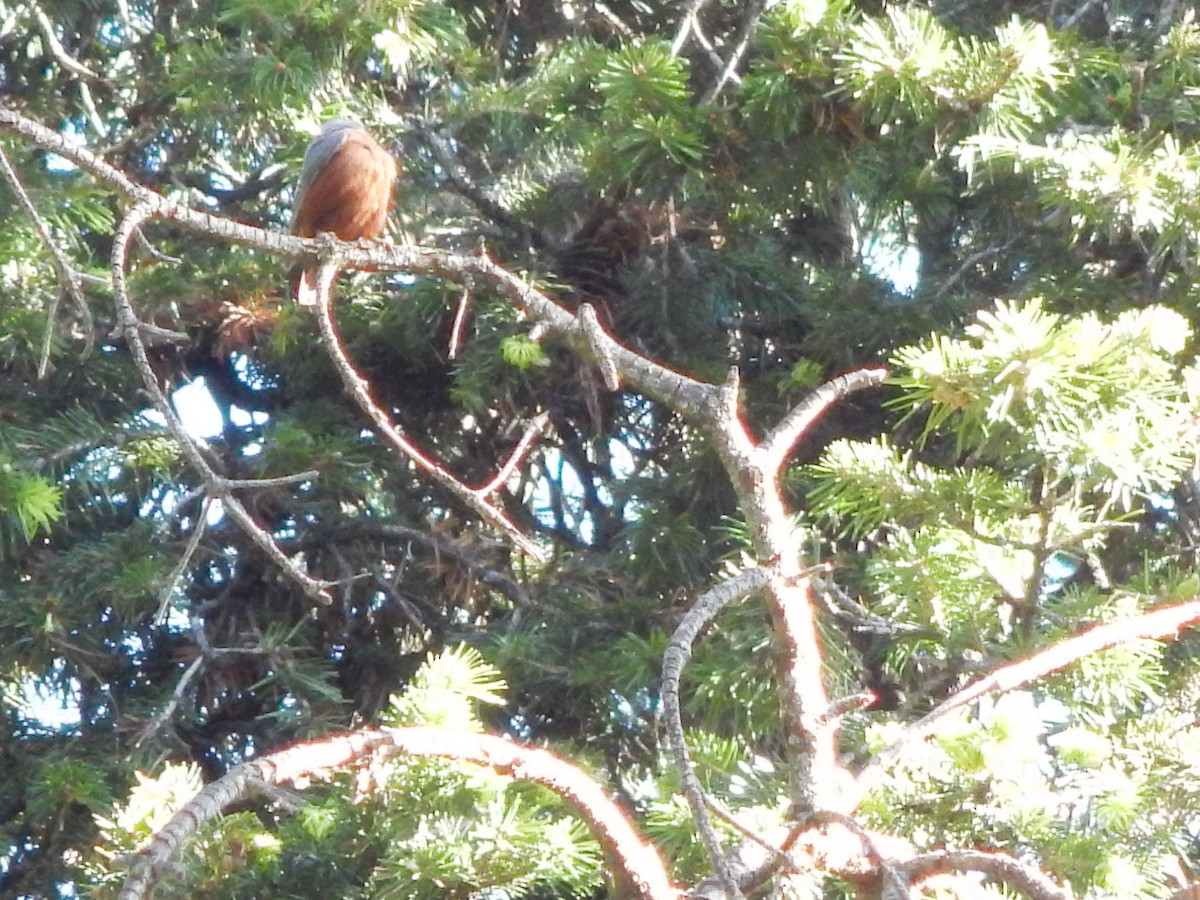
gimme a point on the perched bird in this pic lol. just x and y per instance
(345, 187)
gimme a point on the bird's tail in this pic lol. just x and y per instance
(307, 288)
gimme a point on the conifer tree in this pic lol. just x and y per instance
(759, 460)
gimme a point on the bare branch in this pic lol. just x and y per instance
(690, 27)
(791, 601)
(778, 443)
(460, 319)
(998, 866)
(675, 657)
(1155, 624)
(163, 715)
(636, 860)
(185, 560)
(532, 431)
(68, 277)
(129, 323)
(357, 387)
(223, 486)
(685, 26)
(754, 12)
(593, 334)
(68, 62)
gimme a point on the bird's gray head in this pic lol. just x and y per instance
(334, 125)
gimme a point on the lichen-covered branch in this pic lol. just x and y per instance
(675, 657)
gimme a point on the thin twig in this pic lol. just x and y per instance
(456, 177)
(613, 19)
(782, 860)
(68, 278)
(460, 319)
(184, 561)
(686, 23)
(168, 710)
(532, 431)
(753, 14)
(155, 253)
(222, 486)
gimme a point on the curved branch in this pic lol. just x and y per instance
(675, 657)
(357, 387)
(68, 276)
(637, 860)
(779, 441)
(998, 866)
(130, 326)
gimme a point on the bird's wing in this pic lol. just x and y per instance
(316, 157)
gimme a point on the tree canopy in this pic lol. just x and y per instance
(758, 460)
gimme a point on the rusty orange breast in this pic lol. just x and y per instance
(350, 192)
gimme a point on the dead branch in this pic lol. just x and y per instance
(185, 560)
(752, 16)
(358, 388)
(128, 322)
(635, 859)
(164, 715)
(54, 45)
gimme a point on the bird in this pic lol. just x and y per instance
(345, 188)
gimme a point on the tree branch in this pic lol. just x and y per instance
(675, 657)
(636, 860)
(779, 441)
(358, 388)
(995, 865)
(1155, 624)
(68, 277)
(750, 20)
(129, 324)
